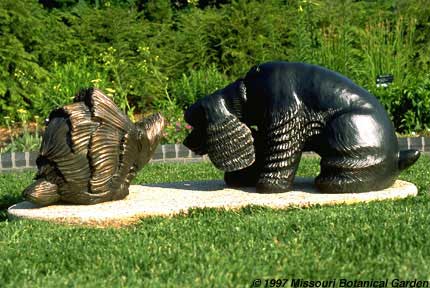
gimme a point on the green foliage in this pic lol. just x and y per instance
(409, 105)
(234, 37)
(26, 140)
(158, 10)
(176, 128)
(65, 81)
(181, 94)
(139, 51)
(250, 32)
(388, 48)
(304, 32)
(131, 78)
(121, 47)
(21, 33)
(196, 85)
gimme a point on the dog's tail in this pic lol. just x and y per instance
(407, 158)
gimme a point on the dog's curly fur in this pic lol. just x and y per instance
(256, 128)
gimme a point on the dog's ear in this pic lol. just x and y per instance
(230, 144)
(229, 141)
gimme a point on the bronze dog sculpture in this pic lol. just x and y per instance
(91, 151)
(256, 128)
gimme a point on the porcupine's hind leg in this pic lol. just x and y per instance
(285, 137)
(358, 155)
(42, 192)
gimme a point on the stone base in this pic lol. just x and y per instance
(172, 198)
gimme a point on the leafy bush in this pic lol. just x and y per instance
(65, 80)
(182, 93)
(140, 51)
(197, 84)
(25, 140)
(409, 106)
(21, 33)
(176, 129)
(387, 48)
(134, 82)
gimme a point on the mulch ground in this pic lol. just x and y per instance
(6, 134)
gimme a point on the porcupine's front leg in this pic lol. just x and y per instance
(284, 141)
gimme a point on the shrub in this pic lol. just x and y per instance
(21, 32)
(182, 93)
(387, 48)
(25, 140)
(234, 37)
(140, 51)
(408, 105)
(176, 128)
(65, 80)
(134, 83)
(197, 84)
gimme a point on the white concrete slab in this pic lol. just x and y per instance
(172, 198)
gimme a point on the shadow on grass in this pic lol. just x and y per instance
(3, 215)
(5, 202)
(204, 186)
(304, 184)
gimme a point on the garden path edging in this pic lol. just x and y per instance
(14, 161)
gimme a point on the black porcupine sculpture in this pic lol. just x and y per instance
(91, 151)
(256, 128)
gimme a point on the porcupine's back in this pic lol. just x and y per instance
(86, 153)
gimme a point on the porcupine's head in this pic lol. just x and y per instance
(150, 132)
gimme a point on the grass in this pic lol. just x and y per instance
(216, 248)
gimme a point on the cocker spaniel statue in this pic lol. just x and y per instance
(256, 129)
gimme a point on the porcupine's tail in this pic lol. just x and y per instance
(407, 158)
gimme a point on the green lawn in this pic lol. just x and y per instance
(213, 248)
